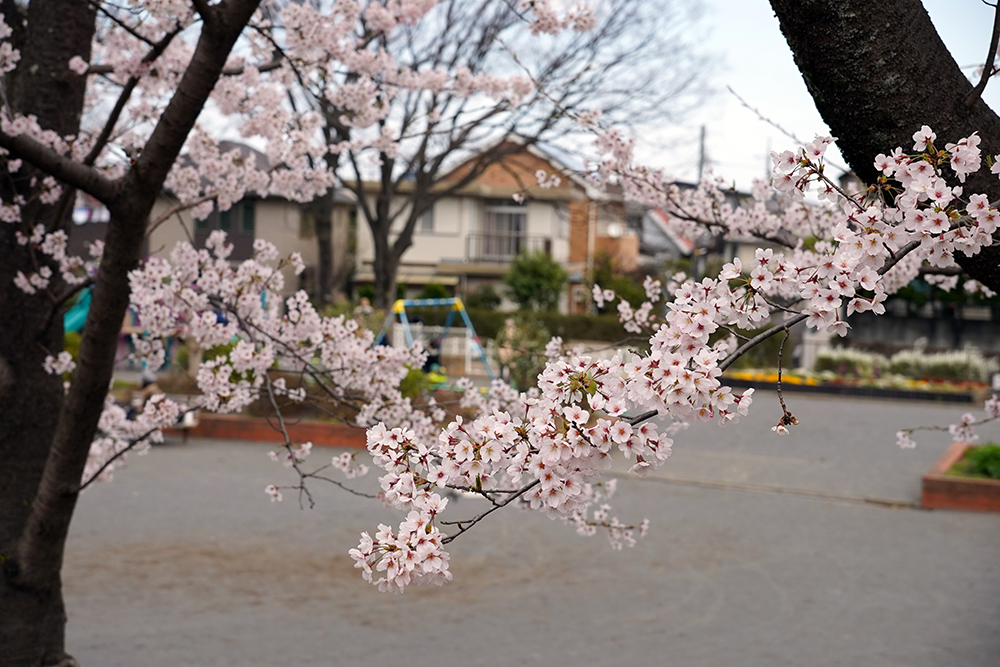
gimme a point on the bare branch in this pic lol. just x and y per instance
(123, 98)
(176, 209)
(988, 67)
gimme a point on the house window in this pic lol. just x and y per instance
(248, 217)
(425, 223)
(239, 224)
(504, 229)
(503, 234)
(505, 217)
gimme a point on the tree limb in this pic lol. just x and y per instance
(988, 68)
(80, 176)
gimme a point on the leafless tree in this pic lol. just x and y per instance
(638, 67)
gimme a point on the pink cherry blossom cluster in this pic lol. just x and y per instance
(200, 296)
(964, 430)
(413, 555)
(8, 54)
(118, 434)
(868, 246)
(51, 247)
(547, 19)
(546, 448)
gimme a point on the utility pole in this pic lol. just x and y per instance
(701, 154)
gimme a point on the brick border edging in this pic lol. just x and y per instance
(941, 491)
(232, 427)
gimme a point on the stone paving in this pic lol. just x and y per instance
(763, 551)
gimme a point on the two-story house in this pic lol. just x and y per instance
(471, 235)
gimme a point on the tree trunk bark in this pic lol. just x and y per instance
(877, 72)
(385, 268)
(321, 210)
(42, 500)
(383, 265)
(32, 616)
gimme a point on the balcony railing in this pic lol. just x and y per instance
(502, 248)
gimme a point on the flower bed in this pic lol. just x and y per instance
(944, 490)
(890, 386)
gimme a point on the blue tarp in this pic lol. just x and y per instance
(75, 317)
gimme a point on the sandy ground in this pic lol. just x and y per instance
(181, 560)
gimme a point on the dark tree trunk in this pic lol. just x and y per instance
(385, 268)
(32, 616)
(877, 72)
(42, 462)
(321, 211)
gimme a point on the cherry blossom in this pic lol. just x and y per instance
(545, 449)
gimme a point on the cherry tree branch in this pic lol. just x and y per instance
(785, 326)
(472, 522)
(362, 494)
(123, 97)
(80, 176)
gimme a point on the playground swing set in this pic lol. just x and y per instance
(399, 310)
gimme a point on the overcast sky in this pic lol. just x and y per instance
(757, 64)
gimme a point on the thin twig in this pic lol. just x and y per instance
(177, 209)
(342, 486)
(787, 419)
(472, 522)
(124, 451)
(776, 126)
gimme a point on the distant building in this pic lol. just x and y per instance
(470, 236)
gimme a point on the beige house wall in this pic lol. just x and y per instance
(455, 218)
(276, 220)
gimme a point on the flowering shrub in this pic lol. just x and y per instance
(968, 364)
(846, 360)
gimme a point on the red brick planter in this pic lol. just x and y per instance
(942, 491)
(234, 427)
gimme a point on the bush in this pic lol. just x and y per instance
(627, 287)
(434, 291)
(521, 349)
(764, 355)
(969, 365)
(983, 460)
(71, 343)
(415, 384)
(484, 298)
(535, 281)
